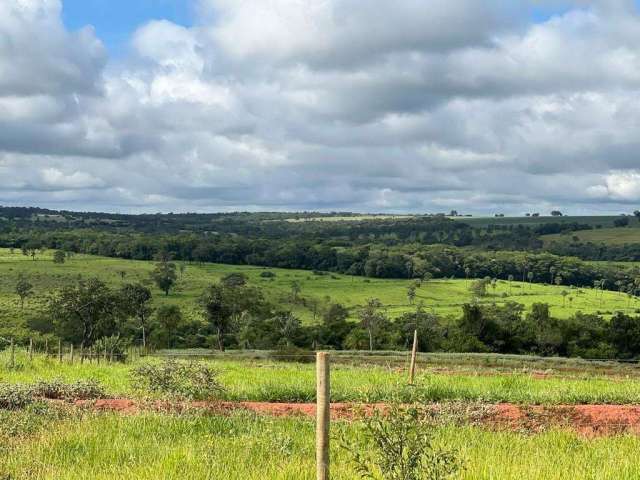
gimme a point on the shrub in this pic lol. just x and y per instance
(181, 380)
(58, 390)
(398, 445)
(13, 397)
(267, 274)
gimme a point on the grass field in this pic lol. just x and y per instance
(248, 447)
(609, 236)
(269, 381)
(444, 297)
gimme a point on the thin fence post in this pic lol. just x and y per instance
(414, 350)
(31, 349)
(60, 351)
(13, 354)
(46, 347)
(323, 411)
(71, 354)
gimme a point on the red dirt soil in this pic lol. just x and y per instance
(588, 420)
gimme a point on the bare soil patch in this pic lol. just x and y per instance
(587, 420)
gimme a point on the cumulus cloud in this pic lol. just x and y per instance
(291, 104)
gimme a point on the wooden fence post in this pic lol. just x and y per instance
(13, 354)
(323, 411)
(46, 347)
(31, 349)
(59, 351)
(71, 354)
(414, 350)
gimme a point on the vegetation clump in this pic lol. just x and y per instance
(178, 380)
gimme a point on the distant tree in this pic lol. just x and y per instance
(223, 306)
(122, 274)
(183, 268)
(296, 288)
(371, 318)
(411, 293)
(24, 289)
(136, 303)
(59, 257)
(558, 280)
(289, 327)
(479, 287)
(556, 213)
(164, 275)
(86, 310)
(636, 214)
(169, 319)
(621, 222)
(564, 294)
(235, 280)
(510, 279)
(530, 277)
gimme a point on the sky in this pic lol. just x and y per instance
(482, 106)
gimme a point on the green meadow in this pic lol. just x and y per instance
(249, 447)
(444, 297)
(608, 236)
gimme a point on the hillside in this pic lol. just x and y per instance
(444, 297)
(607, 236)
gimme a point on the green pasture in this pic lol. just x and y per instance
(273, 381)
(608, 236)
(444, 297)
(192, 446)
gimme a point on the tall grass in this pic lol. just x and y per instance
(247, 447)
(290, 382)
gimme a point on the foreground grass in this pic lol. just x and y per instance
(270, 381)
(247, 447)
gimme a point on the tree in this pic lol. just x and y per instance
(24, 289)
(59, 257)
(85, 311)
(296, 288)
(479, 287)
(222, 305)
(371, 318)
(164, 274)
(136, 303)
(235, 280)
(530, 277)
(636, 214)
(564, 294)
(288, 326)
(556, 213)
(510, 280)
(183, 268)
(169, 318)
(411, 293)
(552, 272)
(558, 280)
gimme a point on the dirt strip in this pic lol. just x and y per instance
(588, 420)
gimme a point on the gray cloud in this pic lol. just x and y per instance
(289, 104)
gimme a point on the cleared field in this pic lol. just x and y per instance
(348, 218)
(248, 447)
(609, 236)
(444, 297)
(601, 220)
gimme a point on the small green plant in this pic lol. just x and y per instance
(15, 396)
(397, 444)
(180, 380)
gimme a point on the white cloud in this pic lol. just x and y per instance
(291, 104)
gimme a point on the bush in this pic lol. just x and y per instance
(398, 445)
(180, 380)
(58, 390)
(14, 397)
(267, 274)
